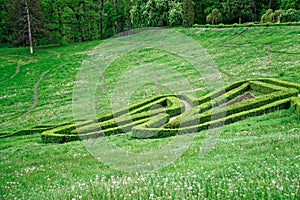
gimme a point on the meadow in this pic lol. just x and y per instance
(257, 158)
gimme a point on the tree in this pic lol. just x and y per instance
(26, 22)
(215, 17)
(188, 13)
(238, 10)
(29, 27)
(3, 23)
(290, 4)
(175, 13)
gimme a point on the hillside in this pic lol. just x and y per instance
(257, 157)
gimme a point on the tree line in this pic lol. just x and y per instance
(66, 21)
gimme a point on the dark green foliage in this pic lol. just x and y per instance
(238, 11)
(215, 17)
(271, 16)
(188, 13)
(290, 15)
(64, 21)
(290, 4)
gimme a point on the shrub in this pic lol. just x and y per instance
(214, 17)
(295, 104)
(290, 15)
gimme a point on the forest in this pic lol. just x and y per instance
(68, 21)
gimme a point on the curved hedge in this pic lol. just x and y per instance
(165, 115)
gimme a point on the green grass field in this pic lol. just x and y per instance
(257, 158)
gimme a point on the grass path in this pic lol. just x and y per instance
(35, 91)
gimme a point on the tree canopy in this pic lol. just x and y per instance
(65, 21)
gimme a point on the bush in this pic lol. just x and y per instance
(295, 104)
(290, 15)
(214, 17)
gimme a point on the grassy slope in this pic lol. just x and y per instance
(258, 157)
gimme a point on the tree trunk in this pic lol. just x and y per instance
(240, 20)
(29, 28)
(203, 13)
(255, 9)
(61, 25)
(270, 4)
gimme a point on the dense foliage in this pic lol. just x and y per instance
(65, 21)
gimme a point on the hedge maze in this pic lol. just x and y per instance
(169, 115)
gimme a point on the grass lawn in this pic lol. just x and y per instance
(258, 158)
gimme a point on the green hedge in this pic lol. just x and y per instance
(246, 25)
(51, 136)
(131, 108)
(281, 83)
(150, 118)
(141, 132)
(190, 120)
(160, 133)
(265, 88)
(87, 129)
(295, 104)
(220, 92)
(192, 100)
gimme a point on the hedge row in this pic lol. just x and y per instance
(266, 88)
(51, 136)
(155, 122)
(125, 110)
(220, 92)
(150, 118)
(192, 100)
(295, 104)
(121, 124)
(246, 25)
(278, 82)
(33, 130)
(217, 97)
(159, 133)
(229, 110)
(190, 118)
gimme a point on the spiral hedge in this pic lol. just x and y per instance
(168, 115)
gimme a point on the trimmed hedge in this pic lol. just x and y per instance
(141, 131)
(190, 119)
(266, 87)
(281, 83)
(51, 136)
(151, 117)
(125, 110)
(160, 133)
(295, 104)
(192, 100)
(246, 25)
(122, 124)
(33, 130)
(220, 92)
